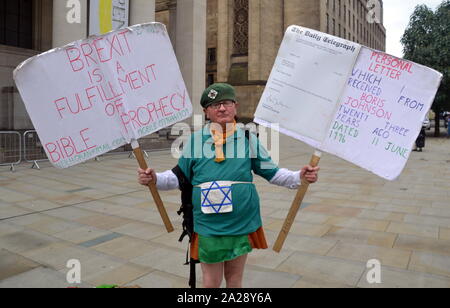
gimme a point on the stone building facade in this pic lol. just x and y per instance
(243, 36)
(233, 41)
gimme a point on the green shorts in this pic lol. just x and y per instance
(222, 248)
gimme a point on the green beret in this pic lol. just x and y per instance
(216, 93)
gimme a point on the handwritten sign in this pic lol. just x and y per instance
(98, 94)
(380, 106)
(308, 63)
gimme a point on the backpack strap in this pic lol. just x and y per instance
(188, 219)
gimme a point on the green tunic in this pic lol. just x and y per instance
(199, 166)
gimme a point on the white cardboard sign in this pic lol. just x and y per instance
(95, 95)
(368, 113)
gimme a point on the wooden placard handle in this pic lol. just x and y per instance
(301, 192)
(159, 203)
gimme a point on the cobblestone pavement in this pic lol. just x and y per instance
(98, 214)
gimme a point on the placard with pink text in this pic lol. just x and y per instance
(362, 105)
(95, 95)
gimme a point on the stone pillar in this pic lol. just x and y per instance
(265, 36)
(142, 11)
(191, 47)
(305, 13)
(173, 22)
(63, 31)
(223, 40)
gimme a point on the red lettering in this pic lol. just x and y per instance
(99, 50)
(132, 81)
(133, 116)
(174, 99)
(113, 48)
(164, 107)
(87, 54)
(153, 72)
(74, 58)
(85, 140)
(146, 113)
(124, 34)
(67, 145)
(52, 151)
(119, 68)
(59, 108)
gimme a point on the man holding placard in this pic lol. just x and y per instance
(219, 161)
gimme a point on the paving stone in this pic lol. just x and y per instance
(414, 229)
(23, 241)
(374, 238)
(358, 223)
(260, 278)
(81, 234)
(363, 253)
(125, 247)
(334, 210)
(38, 205)
(12, 264)
(104, 222)
(314, 283)
(324, 268)
(444, 234)
(99, 240)
(301, 228)
(121, 275)
(381, 215)
(157, 279)
(397, 278)
(428, 220)
(7, 211)
(166, 260)
(144, 231)
(430, 263)
(410, 242)
(39, 278)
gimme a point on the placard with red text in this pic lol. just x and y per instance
(95, 95)
(362, 105)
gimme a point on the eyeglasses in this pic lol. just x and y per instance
(226, 104)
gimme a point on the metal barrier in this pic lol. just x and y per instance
(33, 151)
(10, 149)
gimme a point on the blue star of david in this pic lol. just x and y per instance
(226, 190)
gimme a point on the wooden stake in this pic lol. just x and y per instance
(295, 206)
(159, 204)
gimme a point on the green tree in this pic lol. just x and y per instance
(427, 41)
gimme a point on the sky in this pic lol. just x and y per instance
(396, 19)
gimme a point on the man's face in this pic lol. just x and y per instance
(222, 113)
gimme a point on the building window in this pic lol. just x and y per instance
(210, 79)
(16, 26)
(328, 24)
(240, 41)
(212, 56)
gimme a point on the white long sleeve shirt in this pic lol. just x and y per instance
(285, 178)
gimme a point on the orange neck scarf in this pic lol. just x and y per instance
(220, 138)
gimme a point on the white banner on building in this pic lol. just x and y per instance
(108, 15)
(369, 112)
(98, 94)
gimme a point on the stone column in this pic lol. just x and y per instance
(223, 40)
(191, 47)
(142, 11)
(63, 31)
(173, 22)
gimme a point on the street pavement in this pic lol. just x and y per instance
(98, 214)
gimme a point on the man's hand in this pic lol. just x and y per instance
(146, 177)
(309, 174)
